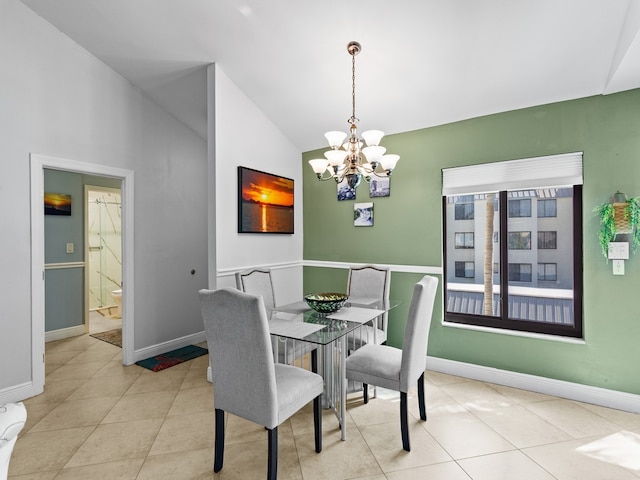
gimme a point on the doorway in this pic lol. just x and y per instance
(37, 165)
(103, 254)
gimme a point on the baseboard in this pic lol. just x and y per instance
(558, 388)
(165, 347)
(17, 393)
(63, 333)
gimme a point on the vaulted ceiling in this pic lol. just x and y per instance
(423, 62)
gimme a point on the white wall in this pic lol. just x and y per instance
(57, 99)
(244, 136)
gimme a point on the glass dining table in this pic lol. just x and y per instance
(325, 334)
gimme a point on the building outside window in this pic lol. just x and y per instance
(519, 272)
(547, 207)
(547, 272)
(547, 240)
(519, 240)
(465, 270)
(504, 220)
(464, 211)
(520, 208)
(464, 239)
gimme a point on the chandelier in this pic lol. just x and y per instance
(349, 160)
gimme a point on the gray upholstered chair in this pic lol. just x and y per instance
(258, 281)
(246, 381)
(369, 282)
(397, 369)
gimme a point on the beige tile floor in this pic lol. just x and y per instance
(100, 420)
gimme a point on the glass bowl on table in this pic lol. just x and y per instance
(327, 302)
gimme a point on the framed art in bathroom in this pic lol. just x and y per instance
(265, 202)
(57, 204)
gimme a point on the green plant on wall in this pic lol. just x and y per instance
(619, 215)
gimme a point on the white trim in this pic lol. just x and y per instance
(526, 173)
(228, 272)
(514, 333)
(424, 269)
(37, 165)
(16, 393)
(433, 270)
(558, 388)
(63, 333)
(165, 347)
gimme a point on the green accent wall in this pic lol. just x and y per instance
(408, 228)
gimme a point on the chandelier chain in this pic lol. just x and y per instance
(353, 88)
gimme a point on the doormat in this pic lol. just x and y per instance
(174, 357)
(114, 337)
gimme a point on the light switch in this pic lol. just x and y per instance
(618, 267)
(69, 247)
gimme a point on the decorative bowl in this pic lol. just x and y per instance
(325, 302)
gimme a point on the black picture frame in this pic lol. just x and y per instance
(265, 202)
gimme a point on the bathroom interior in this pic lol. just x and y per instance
(104, 240)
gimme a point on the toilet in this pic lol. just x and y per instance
(117, 297)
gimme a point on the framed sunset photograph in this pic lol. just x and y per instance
(57, 204)
(265, 202)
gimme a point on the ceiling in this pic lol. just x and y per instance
(423, 62)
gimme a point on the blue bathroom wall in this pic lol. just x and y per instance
(64, 287)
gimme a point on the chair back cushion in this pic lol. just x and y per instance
(240, 354)
(370, 281)
(416, 334)
(257, 282)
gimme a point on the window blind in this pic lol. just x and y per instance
(537, 172)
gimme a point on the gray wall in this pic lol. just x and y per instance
(59, 100)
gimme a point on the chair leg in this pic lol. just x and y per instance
(272, 462)
(365, 392)
(314, 360)
(404, 422)
(317, 422)
(423, 410)
(219, 442)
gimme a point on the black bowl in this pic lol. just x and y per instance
(325, 302)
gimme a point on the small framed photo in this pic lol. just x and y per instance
(345, 192)
(363, 214)
(57, 204)
(379, 186)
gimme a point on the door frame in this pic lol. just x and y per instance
(38, 164)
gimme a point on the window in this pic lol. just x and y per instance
(519, 240)
(547, 208)
(513, 296)
(464, 240)
(547, 272)
(519, 272)
(465, 269)
(464, 211)
(547, 240)
(520, 208)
